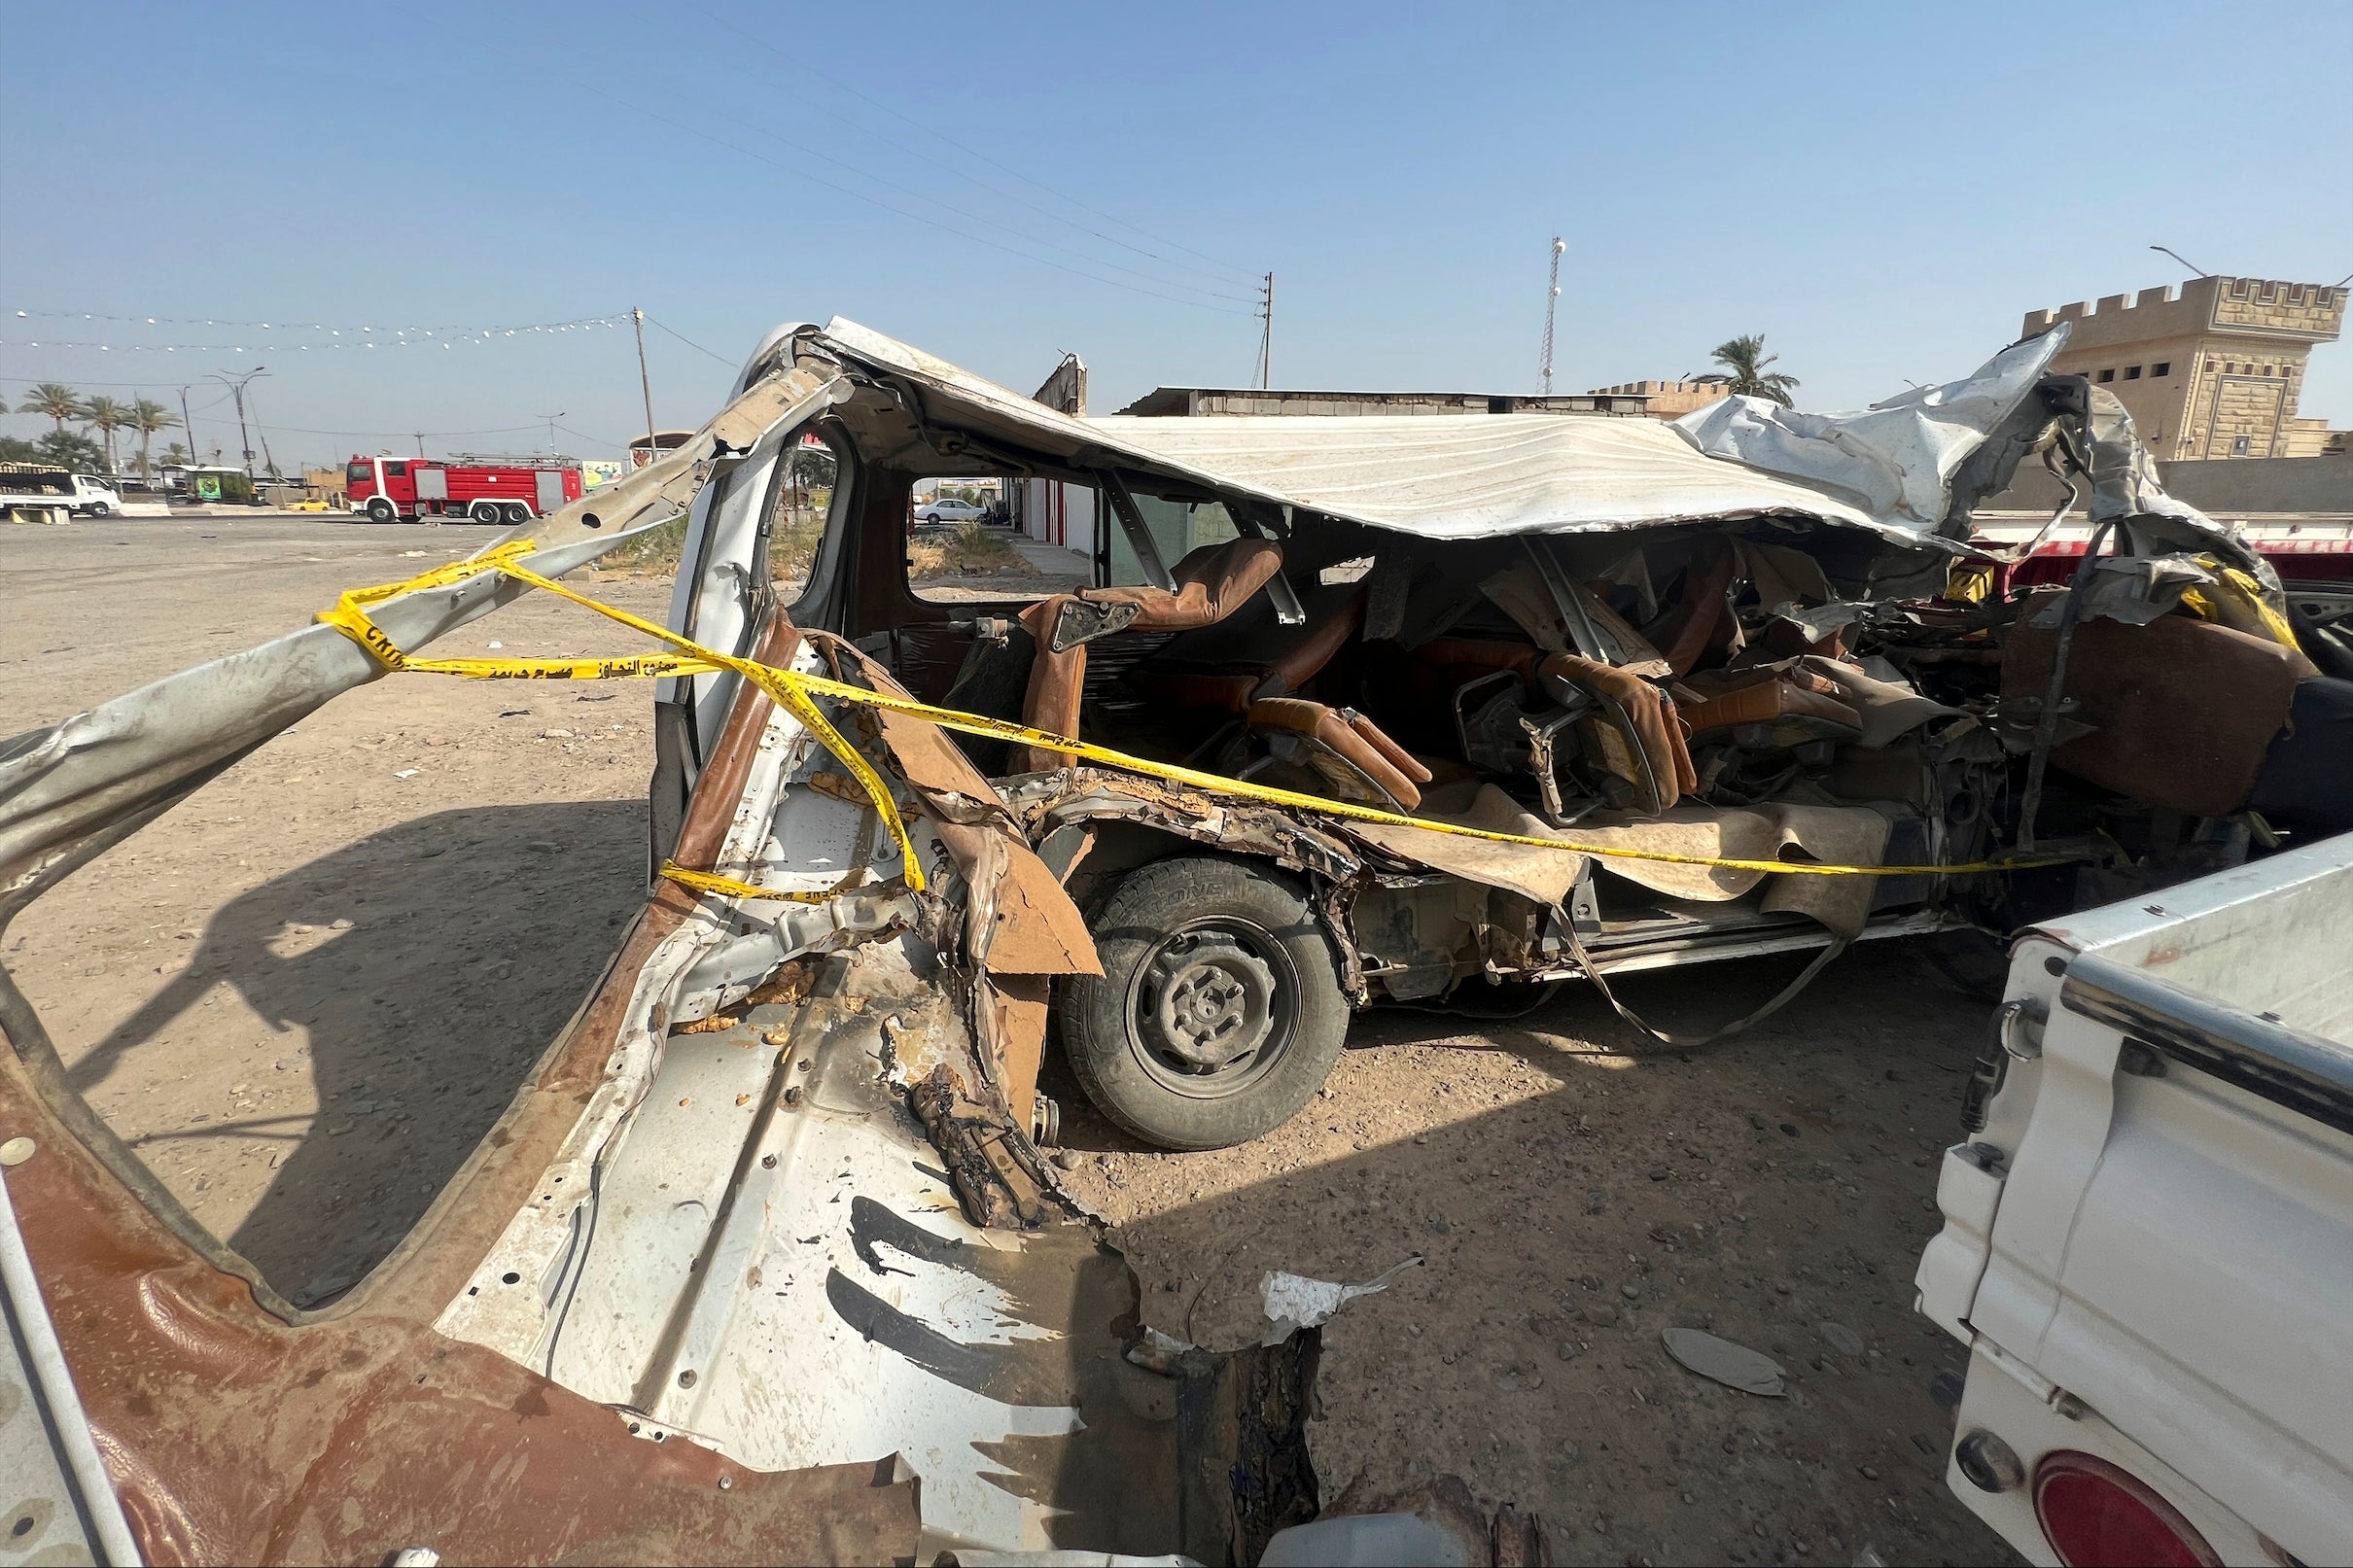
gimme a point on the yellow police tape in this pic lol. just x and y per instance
(795, 692)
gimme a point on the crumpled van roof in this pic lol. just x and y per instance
(1886, 470)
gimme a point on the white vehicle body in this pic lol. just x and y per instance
(947, 510)
(2148, 1243)
(78, 495)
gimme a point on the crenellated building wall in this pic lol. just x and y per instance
(2212, 370)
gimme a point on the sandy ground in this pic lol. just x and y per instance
(306, 993)
(1570, 1202)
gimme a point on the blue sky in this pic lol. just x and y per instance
(1881, 190)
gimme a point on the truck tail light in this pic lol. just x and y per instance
(2095, 1515)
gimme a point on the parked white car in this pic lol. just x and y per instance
(947, 510)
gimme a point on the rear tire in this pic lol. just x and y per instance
(514, 515)
(483, 511)
(1218, 1012)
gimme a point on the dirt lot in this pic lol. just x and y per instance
(304, 995)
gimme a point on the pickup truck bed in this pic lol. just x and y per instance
(2148, 1242)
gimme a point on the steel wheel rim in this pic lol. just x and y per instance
(1198, 995)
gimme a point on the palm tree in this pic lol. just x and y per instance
(106, 416)
(1745, 358)
(56, 403)
(148, 416)
(177, 455)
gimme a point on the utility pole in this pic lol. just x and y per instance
(638, 317)
(237, 388)
(551, 419)
(1552, 300)
(1266, 334)
(190, 429)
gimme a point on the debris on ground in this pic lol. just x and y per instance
(1735, 1366)
(1294, 1302)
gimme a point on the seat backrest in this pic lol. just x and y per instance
(1213, 581)
(1646, 725)
(1253, 654)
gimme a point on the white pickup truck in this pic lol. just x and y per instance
(2147, 1239)
(53, 495)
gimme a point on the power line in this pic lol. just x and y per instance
(423, 339)
(82, 381)
(328, 326)
(876, 202)
(961, 211)
(1220, 270)
(436, 434)
(691, 343)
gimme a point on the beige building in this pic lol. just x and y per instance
(1667, 399)
(2213, 371)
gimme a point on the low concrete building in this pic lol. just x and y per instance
(2212, 371)
(1667, 399)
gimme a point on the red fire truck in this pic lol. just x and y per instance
(486, 489)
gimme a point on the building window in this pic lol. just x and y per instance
(2231, 368)
(2108, 374)
(2132, 373)
(2162, 368)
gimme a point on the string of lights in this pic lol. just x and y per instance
(618, 319)
(363, 337)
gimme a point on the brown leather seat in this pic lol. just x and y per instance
(1773, 698)
(1341, 746)
(1211, 583)
(2184, 710)
(1637, 735)
(1688, 628)
(1283, 659)
(1250, 665)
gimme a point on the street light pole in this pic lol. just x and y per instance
(236, 389)
(2184, 261)
(551, 419)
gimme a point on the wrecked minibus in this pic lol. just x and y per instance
(764, 1262)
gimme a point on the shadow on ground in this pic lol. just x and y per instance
(1573, 1190)
(429, 966)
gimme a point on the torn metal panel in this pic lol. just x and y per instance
(1046, 802)
(234, 1437)
(67, 1509)
(1895, 460)
(59, 783)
